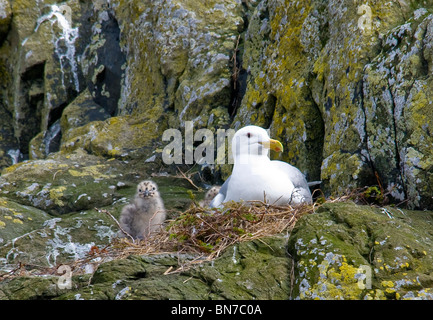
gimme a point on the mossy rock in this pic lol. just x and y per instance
(343, 251)
(17, 220)
(80, 112)
(5, 18)
(120, 137)
(56, 241)
(179, 64)
(258, 269)
(398, 111)
(342, 244)
(30, 288)
(142, 277)
(34, 238)
(249, 270)
(63, 182)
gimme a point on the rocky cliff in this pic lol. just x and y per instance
(89, 87)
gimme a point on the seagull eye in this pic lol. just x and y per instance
(249, 135)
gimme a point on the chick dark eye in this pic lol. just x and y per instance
(249, 135)
(139, 190)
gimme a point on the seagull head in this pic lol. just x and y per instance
(252, 141)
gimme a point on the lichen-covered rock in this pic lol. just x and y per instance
(364, 79)
(5, 18)
(346, 251)
(343, 251)
(250, 270)
(49, 242)
(345, 85)
(9, 152)
(330, 79)
(398, 112)
(103, 61)
(63, 183)
(117, 137)
(78, 113)
(41, 59)
(54, 51)
(30, 288)
(178, 58)
(17, 220)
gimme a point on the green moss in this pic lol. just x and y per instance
(116, 137)
(373, 195)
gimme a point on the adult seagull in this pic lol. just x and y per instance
(256, 177)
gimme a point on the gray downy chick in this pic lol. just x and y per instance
(146, 214)
(212, 192)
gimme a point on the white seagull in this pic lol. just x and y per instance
(256, 177)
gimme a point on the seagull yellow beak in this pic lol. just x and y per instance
(273, 145)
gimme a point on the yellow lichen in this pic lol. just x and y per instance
(93, 171)
(56, 194)
(76, 173)
(388, 284)
(335, 282)
(12, 168)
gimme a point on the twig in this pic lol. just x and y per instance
(188, 179)
(188, 279)
(168, 271)
(115, 220)
(55, 173)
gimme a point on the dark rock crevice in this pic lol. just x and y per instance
(28, 123)
(106, 74)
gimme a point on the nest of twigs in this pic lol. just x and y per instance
(205, 232)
